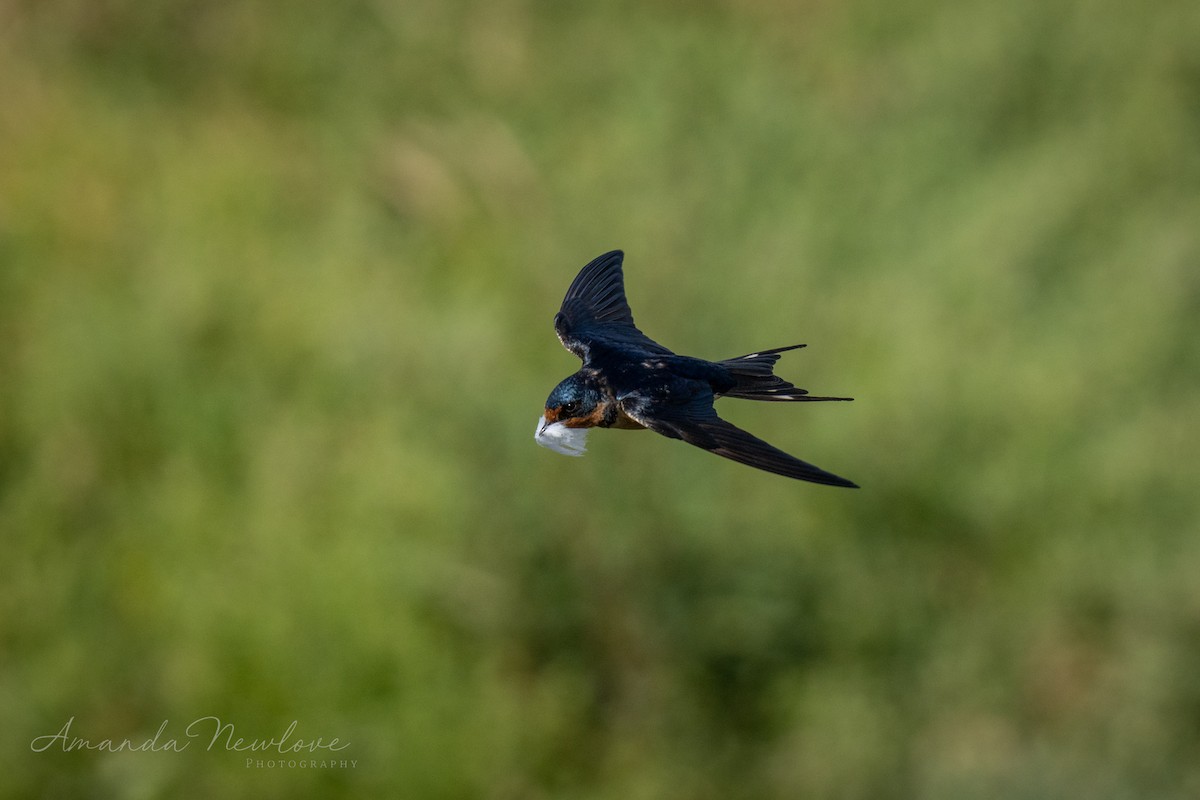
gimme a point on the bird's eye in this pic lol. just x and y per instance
(570, 407)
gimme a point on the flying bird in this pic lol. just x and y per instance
(628, 380)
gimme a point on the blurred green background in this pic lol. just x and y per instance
(276, 284)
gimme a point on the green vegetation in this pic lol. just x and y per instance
(276, 283)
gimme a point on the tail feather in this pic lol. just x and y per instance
(756, 378)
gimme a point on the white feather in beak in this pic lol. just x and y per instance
(561, 439)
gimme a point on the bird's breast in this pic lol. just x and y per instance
(625, 421)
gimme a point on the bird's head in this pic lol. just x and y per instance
(575, 405)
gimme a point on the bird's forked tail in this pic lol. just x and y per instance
(756, 378)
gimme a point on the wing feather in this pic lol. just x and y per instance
(697, 423)
(595, 310)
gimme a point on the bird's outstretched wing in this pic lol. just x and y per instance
(595, 310)
(696, 422)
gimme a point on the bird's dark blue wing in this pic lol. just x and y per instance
(595, 311)
(696, 422)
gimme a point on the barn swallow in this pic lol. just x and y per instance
(628, 380)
